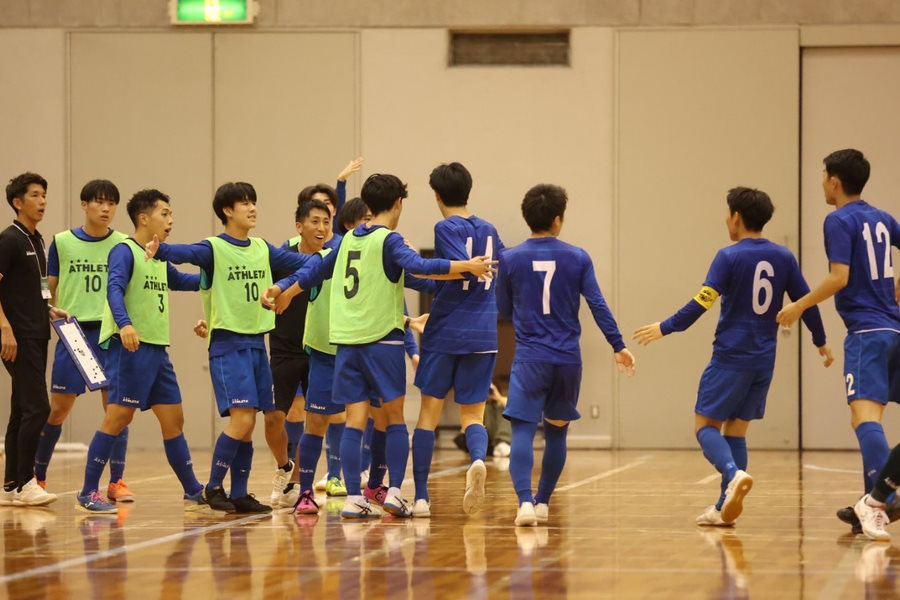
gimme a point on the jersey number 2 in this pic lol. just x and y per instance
(548, 267)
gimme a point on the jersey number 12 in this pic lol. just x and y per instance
(881, 231)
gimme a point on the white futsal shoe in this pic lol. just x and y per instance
(712, 518)
(279, 482)
(421, 509)
(474, 496)
(525, 517)
(33, 494)
(737, 488)
(541, 512)
(873, 520)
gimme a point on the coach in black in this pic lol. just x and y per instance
(24, 336)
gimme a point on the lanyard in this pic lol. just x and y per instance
(33, 249)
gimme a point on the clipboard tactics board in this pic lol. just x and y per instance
(81, 352)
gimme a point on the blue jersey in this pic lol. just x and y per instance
(539, 285)
(861, 236)
(752, 277)
(463, 316)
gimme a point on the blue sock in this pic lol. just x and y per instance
(521, 458)
(294, 431)
(98, 456)
(422, 451)
(180, 460)
(351, 445)
(240, 470)
(718, 452)
(223, 456)
(335, 433)
(875, 451)
(310, 449)
(476, 441)
(554, 461)
(396, 449)
(365, 460)
(379, 461)
(46, 444)
(117, 457)
(738, 447)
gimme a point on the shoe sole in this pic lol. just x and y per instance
(734, 505)
(342, 494)
(397, 511)
(529, 522)
(96, 512)
(40, 503)
(474, 496)
(306, 511)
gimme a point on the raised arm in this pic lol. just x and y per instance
(199, 254)
(182, 282)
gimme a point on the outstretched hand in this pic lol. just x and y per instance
(789, 314)
(648, 333)
(482, 267)
(352, 167)
(151, 248)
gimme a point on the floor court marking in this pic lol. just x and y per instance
(830, 469)
(83, 560)
(635, 463)
(709, 478)
(132, 482)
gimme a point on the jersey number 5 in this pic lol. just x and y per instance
(353, 273)
(762, 287)
(548, 267)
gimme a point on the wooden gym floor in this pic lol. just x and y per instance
(621, 525)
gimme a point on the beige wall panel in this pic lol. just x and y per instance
(286, 115)
(699, 112)
(512, 127)
(850, 100)
(32, 118)
(141, 116)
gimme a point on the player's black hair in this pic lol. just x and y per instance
(100, 189)
(543, 203)
(850, 167)
(754, 206)
(143, 202)
(307, 193)
(18, 186)
(230, 194)
(352, 211)
(305, 208)
(379, 192)
(452, 182)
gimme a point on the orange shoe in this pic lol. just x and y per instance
(119, 492)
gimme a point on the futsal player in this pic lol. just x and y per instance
(367, 324)
(752, 277)
(234, 269)
(77, 269)
(858, 241)
(135, 329)
(540, 283)
(459, 345)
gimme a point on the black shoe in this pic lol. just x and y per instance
(218, 500)
(848, 516)
(249, 504)
(893, 509)
(460, 441)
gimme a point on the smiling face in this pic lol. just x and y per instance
(30, 207)
(314, 229)
(242, 215)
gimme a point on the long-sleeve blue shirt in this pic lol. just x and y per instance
(121, 267)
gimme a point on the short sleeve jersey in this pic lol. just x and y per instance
(861, 236)
(463, 317)
(752, 277)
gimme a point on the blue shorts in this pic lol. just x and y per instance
(369, 371)
(541, 390)
(66, 378)
(468, 374)
(140, 379)
(872, 366)
(726, 394)
(242, 379)
(321, 379)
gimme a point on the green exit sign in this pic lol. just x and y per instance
(212, 12)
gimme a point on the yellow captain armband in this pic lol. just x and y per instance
(706, 297)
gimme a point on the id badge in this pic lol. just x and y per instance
(45, 288)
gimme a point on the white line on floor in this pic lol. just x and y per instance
(130, 481)
(605, 474)
(709, 478)
(831, 470)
